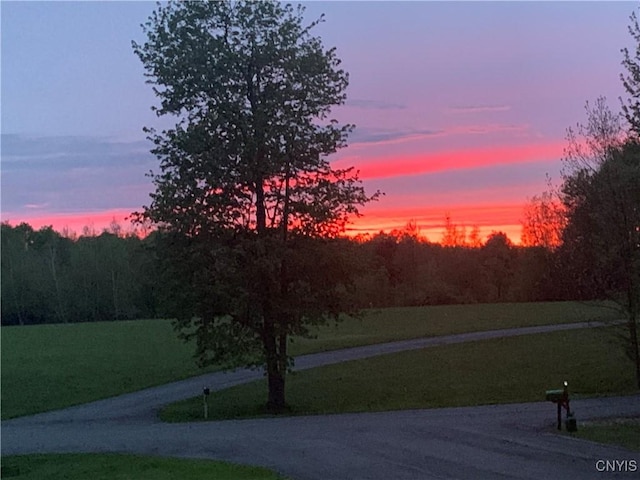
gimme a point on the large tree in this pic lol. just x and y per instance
(498, 262)
(601, 195)
(631, 79)
(246, 195)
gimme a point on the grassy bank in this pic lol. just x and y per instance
(124, 467)
(516, 369)
(622, 431)
(45, 367)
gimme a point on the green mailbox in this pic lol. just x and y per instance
(555, 395)
(561, 398)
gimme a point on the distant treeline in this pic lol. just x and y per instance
(51, 278)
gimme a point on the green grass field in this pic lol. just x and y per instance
(46, 367)
(391, 324)
(515, 369)
(125, 467)
(623, 431)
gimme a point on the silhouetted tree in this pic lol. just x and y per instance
(474, 240)
(631, 79)
(535, 276)
(544, 220)
(601, 192)
(453, 235)
(498, 262)
(17, 296)
(246, 194)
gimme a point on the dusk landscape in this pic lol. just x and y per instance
(460, 108)
(322, 241)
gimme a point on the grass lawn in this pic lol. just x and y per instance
(402, 323)
(623, 431)
(125, 467)
(45, 367)
(515, 369)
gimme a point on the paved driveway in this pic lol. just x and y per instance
(489, 442)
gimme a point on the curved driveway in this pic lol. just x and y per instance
(487, 442)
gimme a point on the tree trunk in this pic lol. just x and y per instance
(633, 332)
(275, 374)
(56, 284)
(634, 312)
(114, 291)
(15, 287)
(261, 215)
(276, 400)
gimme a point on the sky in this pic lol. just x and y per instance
(461, 108)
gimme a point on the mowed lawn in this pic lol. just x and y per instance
(620, 431)
(45, 367)
(392, 324)
(506, 370)
(125, 467)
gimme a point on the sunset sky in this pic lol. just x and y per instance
(460, 108)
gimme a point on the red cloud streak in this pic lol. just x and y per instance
(453, 160)
(503, 216)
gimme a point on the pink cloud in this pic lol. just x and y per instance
(408, 165)
(478, 109)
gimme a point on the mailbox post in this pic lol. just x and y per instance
(205, 395)
(561, 399)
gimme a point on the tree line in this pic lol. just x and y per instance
(50, 277)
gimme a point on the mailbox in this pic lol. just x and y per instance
(555, 396)
(561, 398)
(205, 394)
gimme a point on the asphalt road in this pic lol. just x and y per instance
(488, 442)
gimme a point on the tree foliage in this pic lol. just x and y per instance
(498, 262)
(544, 221)
(149, 273)
(250, 86)
(455, 235)
(246, 192)
(48, 277)
(601, 195)
(631, 79)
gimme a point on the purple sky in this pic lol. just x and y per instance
(460, 108)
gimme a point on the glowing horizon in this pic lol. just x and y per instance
(490, 208)
(466, 121)
(430, 221)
